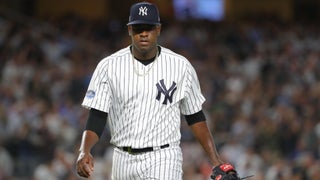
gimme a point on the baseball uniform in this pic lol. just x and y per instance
(144, 104)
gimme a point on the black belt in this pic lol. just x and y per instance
(142, 150)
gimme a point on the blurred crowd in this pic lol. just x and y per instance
(261, 80)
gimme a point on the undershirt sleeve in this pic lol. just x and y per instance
(96, 121)
(194, 118)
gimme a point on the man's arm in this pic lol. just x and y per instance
(89, 139)
(201, 132)
(94, 128)
(221, 170)
(85, 163)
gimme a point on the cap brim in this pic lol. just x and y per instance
(143, 22)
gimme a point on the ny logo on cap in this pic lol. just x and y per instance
(143, 11)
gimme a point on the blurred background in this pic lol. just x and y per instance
(257, 61)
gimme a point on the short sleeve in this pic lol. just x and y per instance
(98, 93)
(193, 99)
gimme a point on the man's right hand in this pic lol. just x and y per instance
(85, 164)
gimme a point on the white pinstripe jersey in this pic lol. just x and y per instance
(144, 111)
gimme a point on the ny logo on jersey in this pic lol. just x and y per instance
(168, 93)
(143, 11)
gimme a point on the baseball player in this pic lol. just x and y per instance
(141, 91)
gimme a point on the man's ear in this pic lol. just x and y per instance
(158, 30)
(130, 30)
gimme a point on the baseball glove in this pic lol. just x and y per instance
(224, 171)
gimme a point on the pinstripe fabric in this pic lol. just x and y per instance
(144, 111)
(164, 164)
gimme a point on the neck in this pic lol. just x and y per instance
(144, 55)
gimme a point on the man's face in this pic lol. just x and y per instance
(144, 37)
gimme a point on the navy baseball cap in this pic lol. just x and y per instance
(144, 13)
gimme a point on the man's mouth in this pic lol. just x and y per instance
(143, 42)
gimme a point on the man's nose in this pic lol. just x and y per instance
(144, 33)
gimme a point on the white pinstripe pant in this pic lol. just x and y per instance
(163, 164)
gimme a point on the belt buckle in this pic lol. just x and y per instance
(130, 150)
